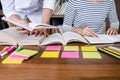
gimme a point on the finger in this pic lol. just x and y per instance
(31, 33)
(109, 32)
(23, 32)
(92, 33)
(45, 34)
(87, 33)
(114, 33)
(37, 33)
(19, 28)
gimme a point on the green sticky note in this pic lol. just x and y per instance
(27, 52)
(88, 48)
(71, 48)
(50, 54)
(92, 55)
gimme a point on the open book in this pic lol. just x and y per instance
(103, 39)
(64, 38)
(68, 37)
(31, 26)
(11, 36)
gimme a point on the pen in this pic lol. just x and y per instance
(4, 49)
(19, 48)
(11, 49)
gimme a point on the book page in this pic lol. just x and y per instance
(40, 25)
(114, 38)
(102, 38)
(53, 39)
(73, 37)
(10, 36)
(31, 40)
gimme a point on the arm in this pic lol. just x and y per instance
(48, 6)
(69, 19)
(46, 15)
(8, 7)
(114, 23)
(9, 10)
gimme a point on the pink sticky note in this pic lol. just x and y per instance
(16, 56)
(56, 48)
(70, 55)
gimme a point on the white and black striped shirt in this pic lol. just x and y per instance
(94, 14)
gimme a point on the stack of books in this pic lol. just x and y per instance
(60, 7)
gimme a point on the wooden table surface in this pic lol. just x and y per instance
(35, 68)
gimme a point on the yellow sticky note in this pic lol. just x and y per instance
(88, 48)
(71, 48)
(92, 55)
(12, 61)
(50, 54)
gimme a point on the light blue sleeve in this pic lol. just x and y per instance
(8, 7)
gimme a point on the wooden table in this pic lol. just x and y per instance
(35, 68)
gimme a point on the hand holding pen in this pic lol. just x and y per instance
(89, 32)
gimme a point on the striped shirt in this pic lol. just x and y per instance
(94, 14)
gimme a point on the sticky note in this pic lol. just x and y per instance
(55, 48)
(92, 55)
(50, 54)
(18, 56)
(11, 61)
(67, 54)
(88, 48)
(71, 48)
(27, 52)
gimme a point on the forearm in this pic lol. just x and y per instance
(46, 15)
(77, 30)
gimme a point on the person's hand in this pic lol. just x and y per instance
(39, 32)
(22, 30)
(112, 31)
(89, 32)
